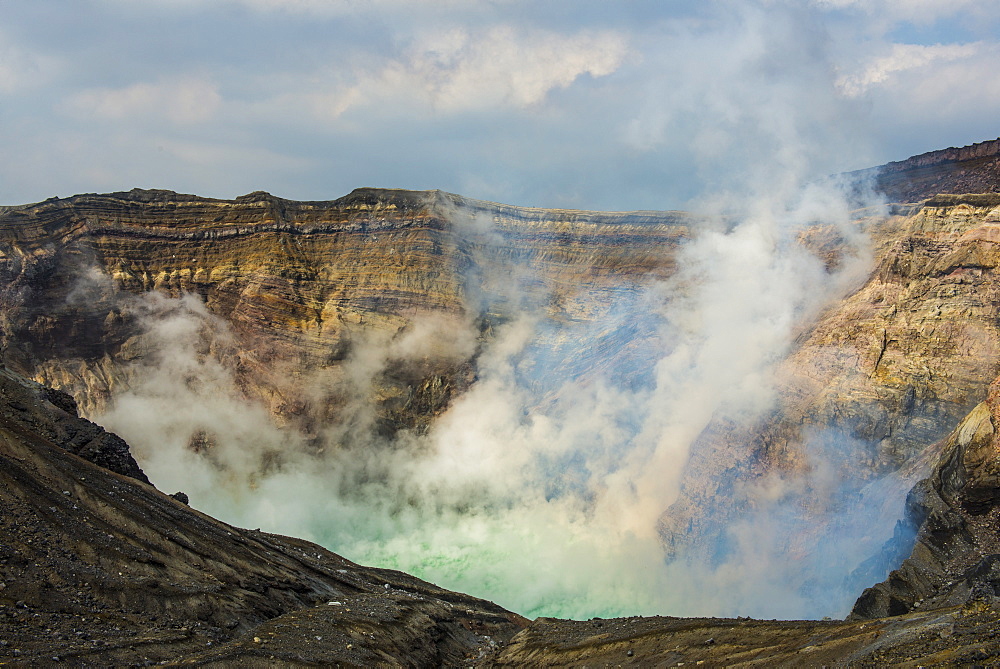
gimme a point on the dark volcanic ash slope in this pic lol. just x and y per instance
(958, 636)
(101, 569)
(98, 567)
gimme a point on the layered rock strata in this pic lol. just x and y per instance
(956, 170)
(877, 380)
(300, 285)
(299, 288)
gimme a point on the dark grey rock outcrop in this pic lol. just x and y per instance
(51, 413)
(956, 557)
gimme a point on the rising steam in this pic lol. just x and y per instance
(542, 485)
(540, 492)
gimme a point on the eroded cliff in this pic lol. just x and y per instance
(955, 513)
(300, 284)
(871, 386)
(952, 171)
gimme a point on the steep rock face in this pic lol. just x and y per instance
(53, 414)
(956, 557)
(301, 284)
(915, 347)
(956, 170)
(880, 378)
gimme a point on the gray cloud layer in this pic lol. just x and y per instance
(581, 104)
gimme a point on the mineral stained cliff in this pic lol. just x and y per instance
(883, 375)
(956, 557)
(300, 284)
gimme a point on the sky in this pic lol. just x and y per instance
(581, 104)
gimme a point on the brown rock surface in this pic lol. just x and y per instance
(956, 512)
(956, 170)
(958, 636)
(52, 414)
(880, 377)
(299, 284)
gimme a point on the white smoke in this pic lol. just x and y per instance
(541, 486)
(542, 495)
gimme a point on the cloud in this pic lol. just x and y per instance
(459, 70)
(309, 8)
(887, 12)
(217, 155)
(181, 101)
(927, 97)
(956, 91)
(750, 85)
(510, 101)
(23, 69)
(906, 58)
(467, 70)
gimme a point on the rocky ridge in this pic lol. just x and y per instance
(952, 171)
(52, 414)
(956, 557)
